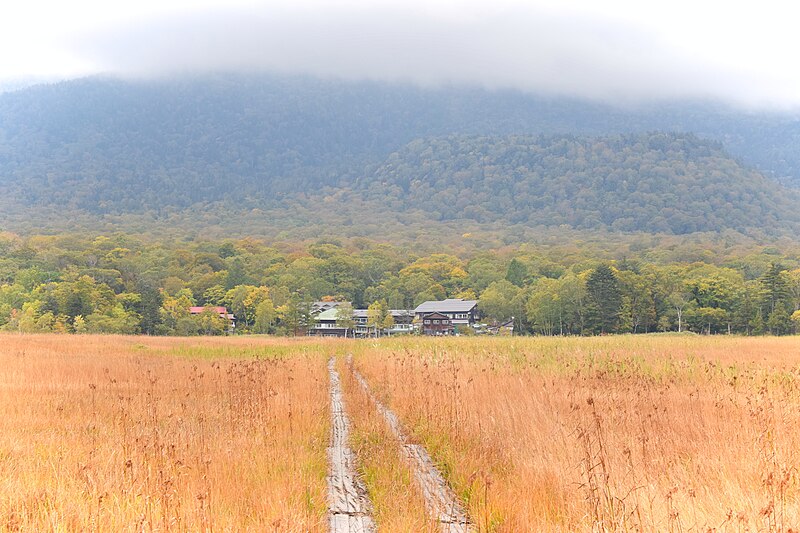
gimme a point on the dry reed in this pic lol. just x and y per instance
(135, 434)
(658, 433)
(629, 433)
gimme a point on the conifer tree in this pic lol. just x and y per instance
(516, 273)
(604, 300)
(775, 300)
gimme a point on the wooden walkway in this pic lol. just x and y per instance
(442, 503)
(350, 510)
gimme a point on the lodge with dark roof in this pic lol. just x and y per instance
(444, 317)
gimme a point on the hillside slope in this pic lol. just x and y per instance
(102, 147)
(659, 183)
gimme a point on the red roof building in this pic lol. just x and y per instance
(221, 311)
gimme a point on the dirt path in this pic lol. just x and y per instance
(442, 503)
(350, 508)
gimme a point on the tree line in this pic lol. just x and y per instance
(121, 284)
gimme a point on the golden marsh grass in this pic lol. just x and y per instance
(657, 433)
(121, 434)
(627, 433)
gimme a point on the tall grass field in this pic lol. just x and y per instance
(616, 433)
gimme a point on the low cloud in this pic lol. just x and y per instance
(517, 47)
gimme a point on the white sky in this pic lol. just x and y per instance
(612, 49)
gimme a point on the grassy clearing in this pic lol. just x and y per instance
(115, 434)
(616, 433)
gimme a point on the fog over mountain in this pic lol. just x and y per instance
(551, 53)
(618, 52)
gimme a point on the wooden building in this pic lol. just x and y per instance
(458, 312)
(437, 324)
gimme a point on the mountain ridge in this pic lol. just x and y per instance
(102, 146)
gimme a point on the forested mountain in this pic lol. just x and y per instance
(106, 147)
(658, 183)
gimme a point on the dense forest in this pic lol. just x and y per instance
(657, 183)
(263, 155)
(118, 284)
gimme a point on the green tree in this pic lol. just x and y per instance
(388, 321)
(214, 296)
(706, 320)
(779, 321)
(604, 300)
(793, 285)
(295, 315)
(376, 315)
(639, 308)
(544, 307)
(210, 322)
(116, 320)
(796, 320)
(148, 307)
(497, 302)
(482, 271)
(747, 306)
(79, 325)
(344, 317)
(265, 317)
(517, 272)
(242, 301)
(572, 292)
(679, 301)
(775, 294)
(175, 310)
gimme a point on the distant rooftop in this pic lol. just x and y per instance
(321, 306)
(197, 310)
(362, 313)
(328, 314)
(451, 305)
(331, 314)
